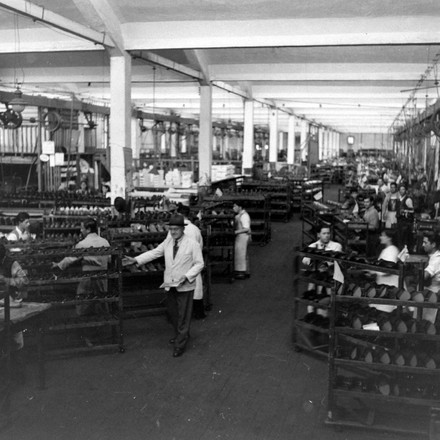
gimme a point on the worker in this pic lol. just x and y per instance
(183, 262)
(242, 239)
(193, 232)
(21, 231)
(91, 263)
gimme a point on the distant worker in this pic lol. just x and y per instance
(21, 231)
(242, 239)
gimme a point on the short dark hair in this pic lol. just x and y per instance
(433, 238)
(21, 217)
(91, 224)
(370, 198)
(322, 226)
(391, 233)
(184, 210)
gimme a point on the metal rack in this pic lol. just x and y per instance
(47, 285)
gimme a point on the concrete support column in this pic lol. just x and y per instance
(304, 142)
(320, 143)
(205, 132)
(248, 138)
(120, 124)
(333, 143)
(291, 141)
(135, 137)
(273, 135)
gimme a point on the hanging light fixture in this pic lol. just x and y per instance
(17, 104)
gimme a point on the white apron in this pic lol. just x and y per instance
(241, 247)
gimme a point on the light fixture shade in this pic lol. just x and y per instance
(17, 104)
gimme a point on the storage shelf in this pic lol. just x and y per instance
(308, 326)
(386, 367)
(379, 333)
(393, 302)
(388, 399)
(315, 281)
(311, 303)
(72, 280)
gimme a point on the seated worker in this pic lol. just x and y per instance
(83, 189)
(21, 231)
(351, 204)
(89, 286)
(325, 244)
(431, 245)
(14, 280)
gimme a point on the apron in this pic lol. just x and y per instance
(391, 214)
(241, 247)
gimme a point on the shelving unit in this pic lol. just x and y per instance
(310, 329)
(219, 239)
(381, 357)
(279, 195)
(256, 205)
(59, 288)
(313, 214)
(312, 191)
(142, 297)
(352, 234)
(296, 186)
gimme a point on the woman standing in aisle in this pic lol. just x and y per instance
(242, 238)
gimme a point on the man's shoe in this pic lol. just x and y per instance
(178, 352)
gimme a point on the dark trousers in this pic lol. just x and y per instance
(180, 308)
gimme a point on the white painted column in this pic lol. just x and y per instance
(331, 143)
(205, 132)
(338, 142)
(291, 141)
(135, 137)
(120, 123)
(303, 141)
(320, 143)
(273, 135)
(248, 138)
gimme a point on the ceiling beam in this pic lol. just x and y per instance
(43, 15)
(198, 58)
(157, 60)
(102, 10)
(328, 31)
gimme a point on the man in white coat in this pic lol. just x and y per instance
(183, 262)
(194, 233)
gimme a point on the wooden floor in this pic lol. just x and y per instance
(239, 379)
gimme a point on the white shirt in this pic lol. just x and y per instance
(330, 246)
(16, 234)
(433, 269)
